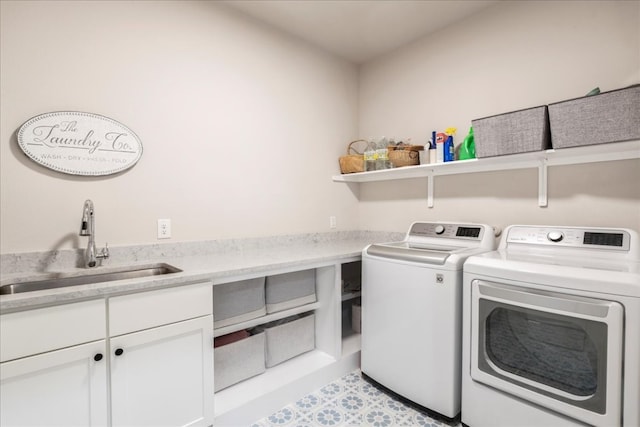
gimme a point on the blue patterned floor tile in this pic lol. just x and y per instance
(349, 401)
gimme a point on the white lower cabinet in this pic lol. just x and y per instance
(66, 387)
(161, 357)
(163, 376)
(150, 365)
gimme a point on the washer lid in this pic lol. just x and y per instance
(406, 251)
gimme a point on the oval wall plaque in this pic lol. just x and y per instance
(79, 143)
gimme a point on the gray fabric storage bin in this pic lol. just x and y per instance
(356, 318)
(511, 133)
(237, 302)
(288, 338)
(284, 291)
(609, 117)
(238, 361)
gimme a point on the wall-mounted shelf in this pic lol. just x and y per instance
(265, 319)
(350, 295)
(538, 159)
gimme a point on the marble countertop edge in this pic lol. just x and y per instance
(218, 262)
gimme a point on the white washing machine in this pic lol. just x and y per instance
(551, 325)
(411, 312)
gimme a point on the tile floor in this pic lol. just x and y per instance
(348, 401)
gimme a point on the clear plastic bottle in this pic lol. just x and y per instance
(370, 156)
(382, 154)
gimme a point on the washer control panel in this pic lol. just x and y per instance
(446, 230)
(609, 239)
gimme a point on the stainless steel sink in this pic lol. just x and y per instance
(86, 279)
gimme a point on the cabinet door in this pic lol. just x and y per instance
(164, 376)
(66, 387)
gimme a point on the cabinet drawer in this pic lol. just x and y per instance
(45, 329)
(129, 313)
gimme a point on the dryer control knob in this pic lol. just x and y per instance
(555, 236)
(439, 229)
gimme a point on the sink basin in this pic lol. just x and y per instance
(87, 279)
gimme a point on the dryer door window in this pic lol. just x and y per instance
(561, 352)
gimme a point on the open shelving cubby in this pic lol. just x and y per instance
(261, 395)
(351, 275)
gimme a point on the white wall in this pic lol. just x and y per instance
(241, 125)
(514, 55)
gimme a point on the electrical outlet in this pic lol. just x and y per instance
(164, 229)
(332, 222)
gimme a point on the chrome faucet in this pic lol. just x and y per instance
(88, 228)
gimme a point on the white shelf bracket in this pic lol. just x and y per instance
(430, 190)
(542, 184)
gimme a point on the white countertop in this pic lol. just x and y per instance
(217, 261)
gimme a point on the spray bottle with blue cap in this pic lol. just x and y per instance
(449, 149)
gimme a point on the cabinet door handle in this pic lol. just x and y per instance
(97, 357)
(119, 351)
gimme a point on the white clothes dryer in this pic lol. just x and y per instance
(550, 329)
(411, 312)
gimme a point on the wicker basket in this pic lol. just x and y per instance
(352, 163)
(405, 155)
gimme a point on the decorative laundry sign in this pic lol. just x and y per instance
(79, 143)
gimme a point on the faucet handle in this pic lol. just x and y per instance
(104, 253)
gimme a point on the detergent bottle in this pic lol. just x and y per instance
(468, 147)
(449, 151)
(441, 138)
